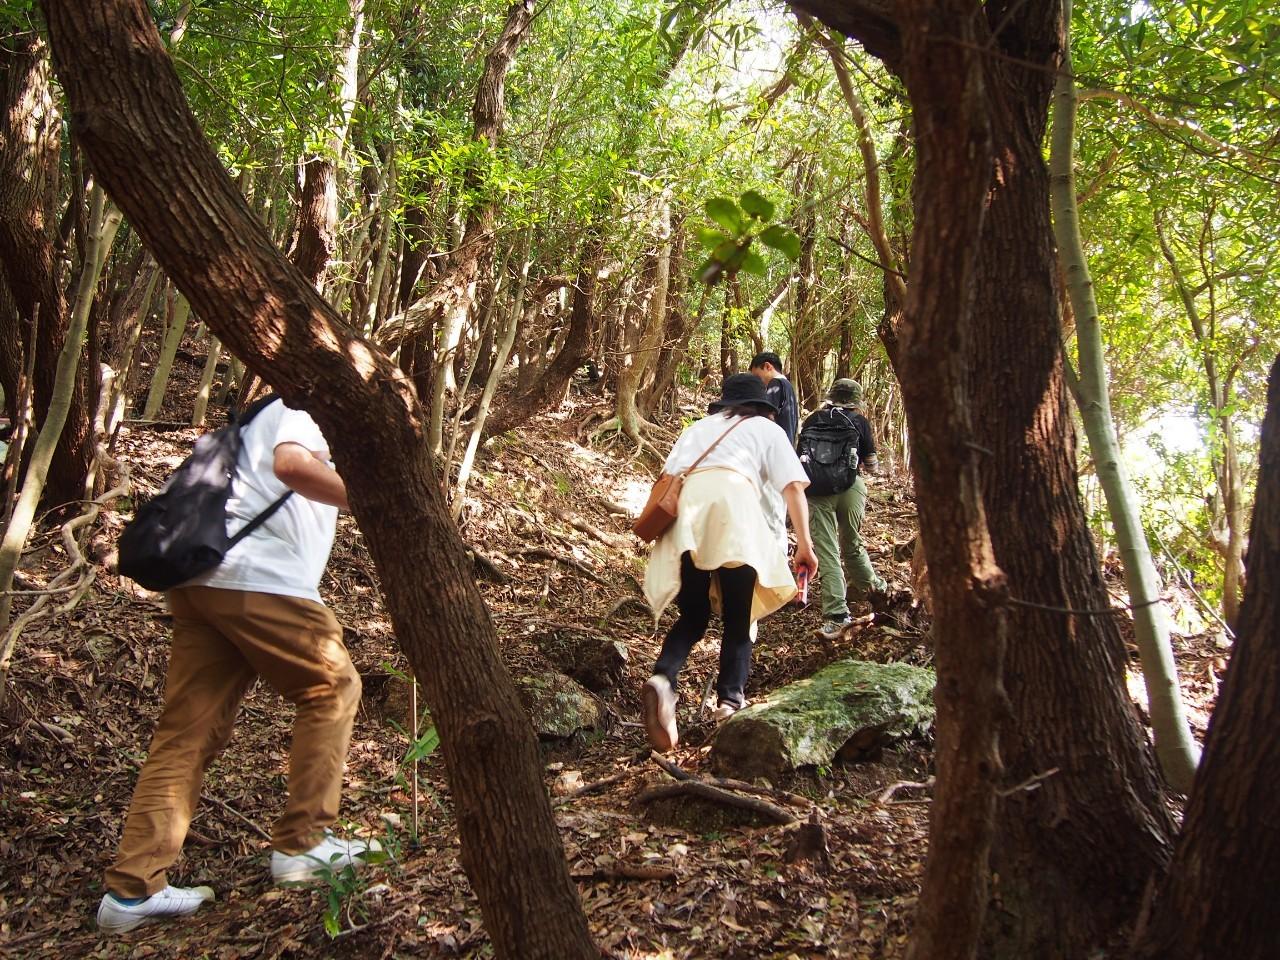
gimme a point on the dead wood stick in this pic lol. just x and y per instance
(633, 871)
(593, 787)
(893, 788)
(561, 558)
(696, 788)
(238, 815)
(790, 799)
(608, 539)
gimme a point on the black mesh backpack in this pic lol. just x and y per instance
(182, 531)
(828, 450)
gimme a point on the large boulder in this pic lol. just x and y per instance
(844, 712)
(558, 706)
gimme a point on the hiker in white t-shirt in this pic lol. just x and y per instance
(258, 613)
(720, 547)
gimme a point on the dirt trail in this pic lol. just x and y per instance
(557, 568)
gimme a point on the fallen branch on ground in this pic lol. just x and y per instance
(790, 799)
(594, 787)
(705, 791)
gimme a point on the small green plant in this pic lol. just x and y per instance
(345, 885)
(741, 223)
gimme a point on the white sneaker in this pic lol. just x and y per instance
(658, 703)
(330, 854)
(723, 711)
(117, 917)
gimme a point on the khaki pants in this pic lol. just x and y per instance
(222, 641)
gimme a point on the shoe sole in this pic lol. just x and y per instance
(660, 737)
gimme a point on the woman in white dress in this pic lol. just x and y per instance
(720, 552)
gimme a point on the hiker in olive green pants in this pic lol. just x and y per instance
(835, 520)
(836, 524)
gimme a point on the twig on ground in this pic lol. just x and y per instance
(893, 788)
(237, 814)
(632, 871)
(608, 539)
(593, 787)
(561, 558)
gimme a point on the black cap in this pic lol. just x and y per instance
(742, 388)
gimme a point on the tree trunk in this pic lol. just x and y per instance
(1175, 747)
(101, 231)
(631, 378)
(1083, 824)
(30, 143)
(133, 122)
(317, 229)
(173, 332)
(445, 308)
(1217, 903)
(1073, 855)
(550, 388)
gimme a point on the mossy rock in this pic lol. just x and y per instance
(844, 712)
(558, 706)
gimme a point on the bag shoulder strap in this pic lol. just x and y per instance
(241, 422)
(706, 453)
(258, 521)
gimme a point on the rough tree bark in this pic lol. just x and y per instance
(946, 88)
(1072, 854)
(30, 142)
(1218, 901)
(129, 113)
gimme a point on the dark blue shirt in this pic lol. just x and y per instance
(783, 396)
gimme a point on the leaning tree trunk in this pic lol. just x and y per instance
(30, 143)
(631, 378)
(1076, 846)
(1218, 902)
(133, 122)
(1175, 747)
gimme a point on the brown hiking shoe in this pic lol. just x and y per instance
(659, 709)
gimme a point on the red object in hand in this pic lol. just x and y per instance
(802, 582)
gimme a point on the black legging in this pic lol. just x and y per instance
(737, 584)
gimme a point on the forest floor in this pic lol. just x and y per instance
(87, 687)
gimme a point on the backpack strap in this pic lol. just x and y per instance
(258, 521)
(253, 409)
(693, 466)
(241, 422)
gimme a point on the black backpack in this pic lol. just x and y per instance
(182, 531)
(828, 449)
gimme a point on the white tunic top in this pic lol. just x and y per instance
(721, 521)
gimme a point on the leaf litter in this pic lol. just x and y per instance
(559, 572)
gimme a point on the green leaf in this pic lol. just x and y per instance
(711, 238)
(725, 212)
(756, 205)
(783, 239)
(754, 264)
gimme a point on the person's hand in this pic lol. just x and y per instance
(805, 557)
